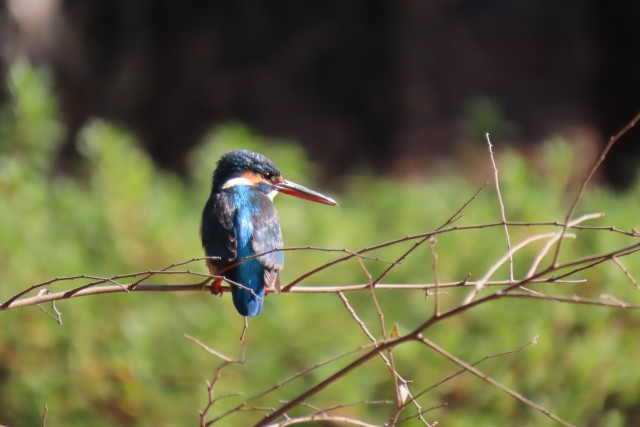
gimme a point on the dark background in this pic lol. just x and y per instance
(391, 84)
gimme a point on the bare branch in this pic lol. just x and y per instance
(41, 298)
(596, 164)
(323, 417)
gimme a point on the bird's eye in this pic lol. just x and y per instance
(270, 176)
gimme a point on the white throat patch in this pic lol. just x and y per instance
(236, 181)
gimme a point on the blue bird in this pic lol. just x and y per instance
(239, 221)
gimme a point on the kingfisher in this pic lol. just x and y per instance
(240, 229)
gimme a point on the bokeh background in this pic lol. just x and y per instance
(113, 113)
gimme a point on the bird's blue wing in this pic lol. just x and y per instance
(236, 226)
(217, 230)
(266, 239)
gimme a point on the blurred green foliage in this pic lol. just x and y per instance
(121, 359)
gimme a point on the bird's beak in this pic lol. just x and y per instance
(297, 190)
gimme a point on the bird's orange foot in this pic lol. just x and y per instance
(216, 287)
(266, 290)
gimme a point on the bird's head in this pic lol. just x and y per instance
(244, 167)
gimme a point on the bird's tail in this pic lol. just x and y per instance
(246, 302)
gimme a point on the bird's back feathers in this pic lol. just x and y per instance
(238, 223)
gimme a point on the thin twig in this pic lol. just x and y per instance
(167, 268)
(387, 360)
(211, 398)
(533, 340)
(626, 272)
(424, 411)
(481, 283)
(383, 331)
(374, 298)
(596, 164)
(210, 350)
(434, 266)
(366, 331)
(244, 330)
(58, 314)
(501, 203)
(493, 382)
(545, 250)
(348, 405)
(423, 237)
(453, 218)
(604, 301)
(288, 380)
(44, 416)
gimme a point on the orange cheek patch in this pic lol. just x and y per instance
(252, 178)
